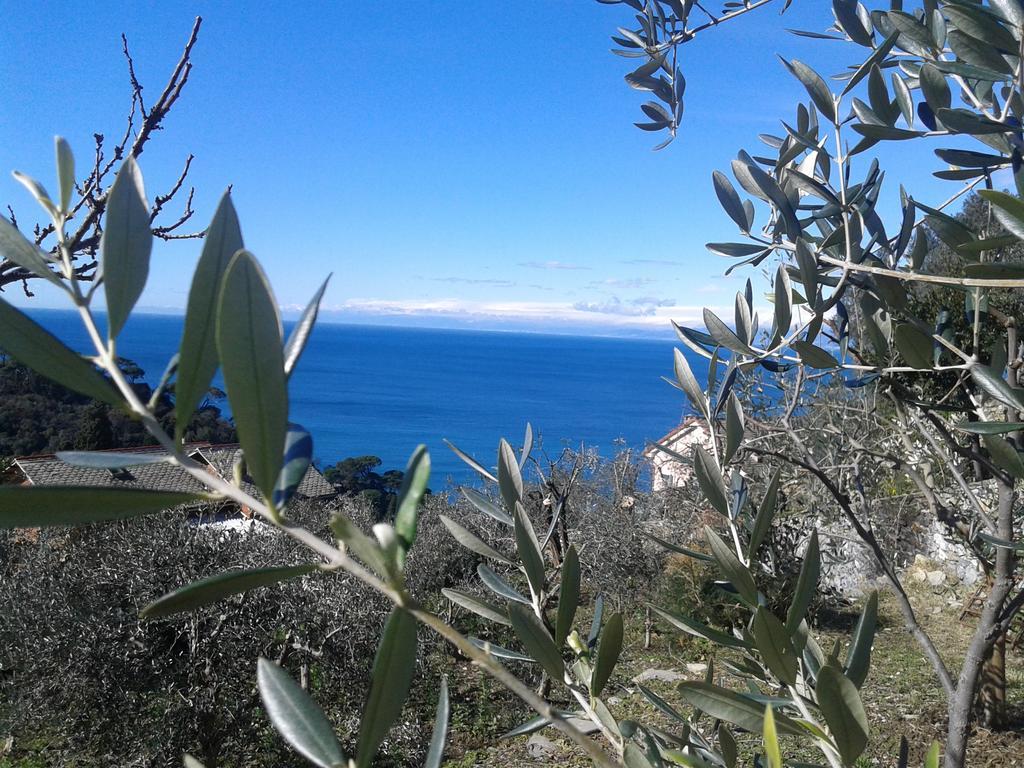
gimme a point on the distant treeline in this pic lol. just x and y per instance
(39, 416)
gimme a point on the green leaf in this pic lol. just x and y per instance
(765, 515)
(995, 386)
(846, 14)
(660, 704)
(297, 717)
(475, 465)
(414, 486)
(251, 357)
(472, 542)
(723, 334)
(364, 547)
(969, 159)
(982, 26)
(730, 200)
(770, 190)
(733, 427)
(568, 595)
(858, 656)
(197, 362)
(816, 88)
(688, 760)
(210, 590)
(393, 667)
(34, 506)
(727, 744)
(783, 302)
(595, 621)
(1011, 10)
(915, 37)
(500, 652)
(875, 58)
(633, 757)
(931, 760)
(15, 248)
(536, 641)
(842, 709)
(498, 585)
(709, 477)
(978, 53)
(934, 87)
(732, 707)
(884, 132)
(485, 505)
(688, 383)
(531, 725)
(697, 629)
(808, 267)
(1004, 454)
(529, 550)
(608, 651)
(29, 343)
(510, 479)
(678, 549)
(435, 752)
(773, 642)
(1008, 209)
(303, 328)
(476, 605)
(771, 739)
(806, 585)
(38, 192)
(606, 717)
(65, 172)
(732, 569)
(524, 452)
(999, 270)
(903, 98)
(735, 250)
(990, 427)
(125, 245)
(914, 345)
(812, 356)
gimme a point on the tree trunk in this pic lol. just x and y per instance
(992, 696)
(986, 634)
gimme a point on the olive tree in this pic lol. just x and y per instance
(836, 250)
(948, 73)
(534, 590)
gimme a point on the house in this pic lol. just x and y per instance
(667, 471)
(160, 476)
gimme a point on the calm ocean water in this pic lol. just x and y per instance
(383, 390)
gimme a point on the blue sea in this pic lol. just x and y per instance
(383, 390)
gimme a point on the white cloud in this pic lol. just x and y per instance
(644, 306)
(646, 316)
(550, 265)
(476, 281)
(623, 282)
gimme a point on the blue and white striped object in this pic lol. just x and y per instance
(298, 452)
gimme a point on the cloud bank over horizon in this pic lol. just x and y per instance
(644, 316)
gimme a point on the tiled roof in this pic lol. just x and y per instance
(223, 457)
(49, 470)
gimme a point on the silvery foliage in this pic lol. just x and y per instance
(943, 71)
(835, 253)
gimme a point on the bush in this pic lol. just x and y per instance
(86, 682)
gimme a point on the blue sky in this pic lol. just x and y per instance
(450, 162)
